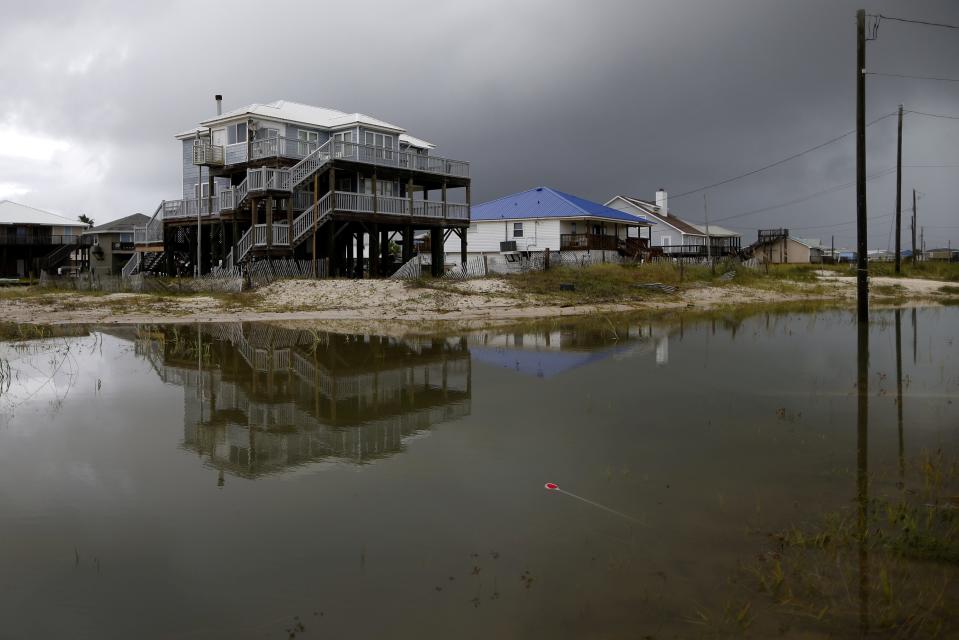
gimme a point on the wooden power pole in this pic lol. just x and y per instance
(862, 264)
(913, 227)
(899, 196)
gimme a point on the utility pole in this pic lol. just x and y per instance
(922, 241)
(899, 196)
(832, 249)
(709, 242)
(862, 265)
(913, 227)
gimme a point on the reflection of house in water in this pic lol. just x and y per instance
(262, 399)
(548, 353)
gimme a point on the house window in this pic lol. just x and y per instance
(201, 190)
(384, 140)
(236, 133)
(573, 228)
(666, 241)
(383, 187)
(126, 237)
(307, 141)
(517, 229)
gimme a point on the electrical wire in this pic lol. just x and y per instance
(911, 77)
(833, 189)
(924, 23)
(932, 115)
(782, 161)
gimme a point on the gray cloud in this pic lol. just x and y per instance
(593, 98)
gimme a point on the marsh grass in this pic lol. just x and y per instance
(887, 564)
(618, 283)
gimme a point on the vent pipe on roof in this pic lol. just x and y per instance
(661, 202)
(219, 104)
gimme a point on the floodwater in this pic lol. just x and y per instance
(251, 481)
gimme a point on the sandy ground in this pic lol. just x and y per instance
(475, 302)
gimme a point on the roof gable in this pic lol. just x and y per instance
(121, 225)
(652, 212)
(543, 202)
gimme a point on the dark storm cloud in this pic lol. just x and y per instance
(594, 98)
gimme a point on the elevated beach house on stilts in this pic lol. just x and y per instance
(291, 180)
(33, 240)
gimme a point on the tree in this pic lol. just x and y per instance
(85, 219)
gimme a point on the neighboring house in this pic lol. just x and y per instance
(777, 246)
(291, 180)
(32, 240)
(881, 255)
(544, 218)
(111, 244)
(674, 235)
(947, 254)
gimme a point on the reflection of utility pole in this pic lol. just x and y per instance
(902, 464)
(915, 335)
(862, 469)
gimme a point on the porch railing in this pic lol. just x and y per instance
(131, 267)
(384, 156)
(587, 241)
(281, 147)
(206, 154)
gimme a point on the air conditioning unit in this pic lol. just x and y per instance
(507, 246)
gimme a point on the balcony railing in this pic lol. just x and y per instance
(312, 156)
(122, 246)
(39, 238)
(383, 156)
(698, 250)
(349, 202)
(587, 241)
(207, 154)
(281, 147)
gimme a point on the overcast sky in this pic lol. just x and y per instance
(595, 98)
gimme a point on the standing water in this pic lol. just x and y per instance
(254, 481)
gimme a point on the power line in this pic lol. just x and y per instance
(932, 115)
(779, 162)
(924, 23)
(832, 189)
(911, 77)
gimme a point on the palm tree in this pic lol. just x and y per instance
(85, 219)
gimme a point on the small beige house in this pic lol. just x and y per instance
(778, 247)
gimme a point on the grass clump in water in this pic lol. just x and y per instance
(886, 565)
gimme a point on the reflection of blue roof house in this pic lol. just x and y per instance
(549, 354)
(542, 364)
(544, 218)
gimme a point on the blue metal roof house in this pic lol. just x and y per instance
(543, 218)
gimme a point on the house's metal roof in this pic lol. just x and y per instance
(543, 202)
(121, 225)
(716, 231)
(304, 114)
(16, 213)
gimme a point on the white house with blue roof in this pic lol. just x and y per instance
(543, 218)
